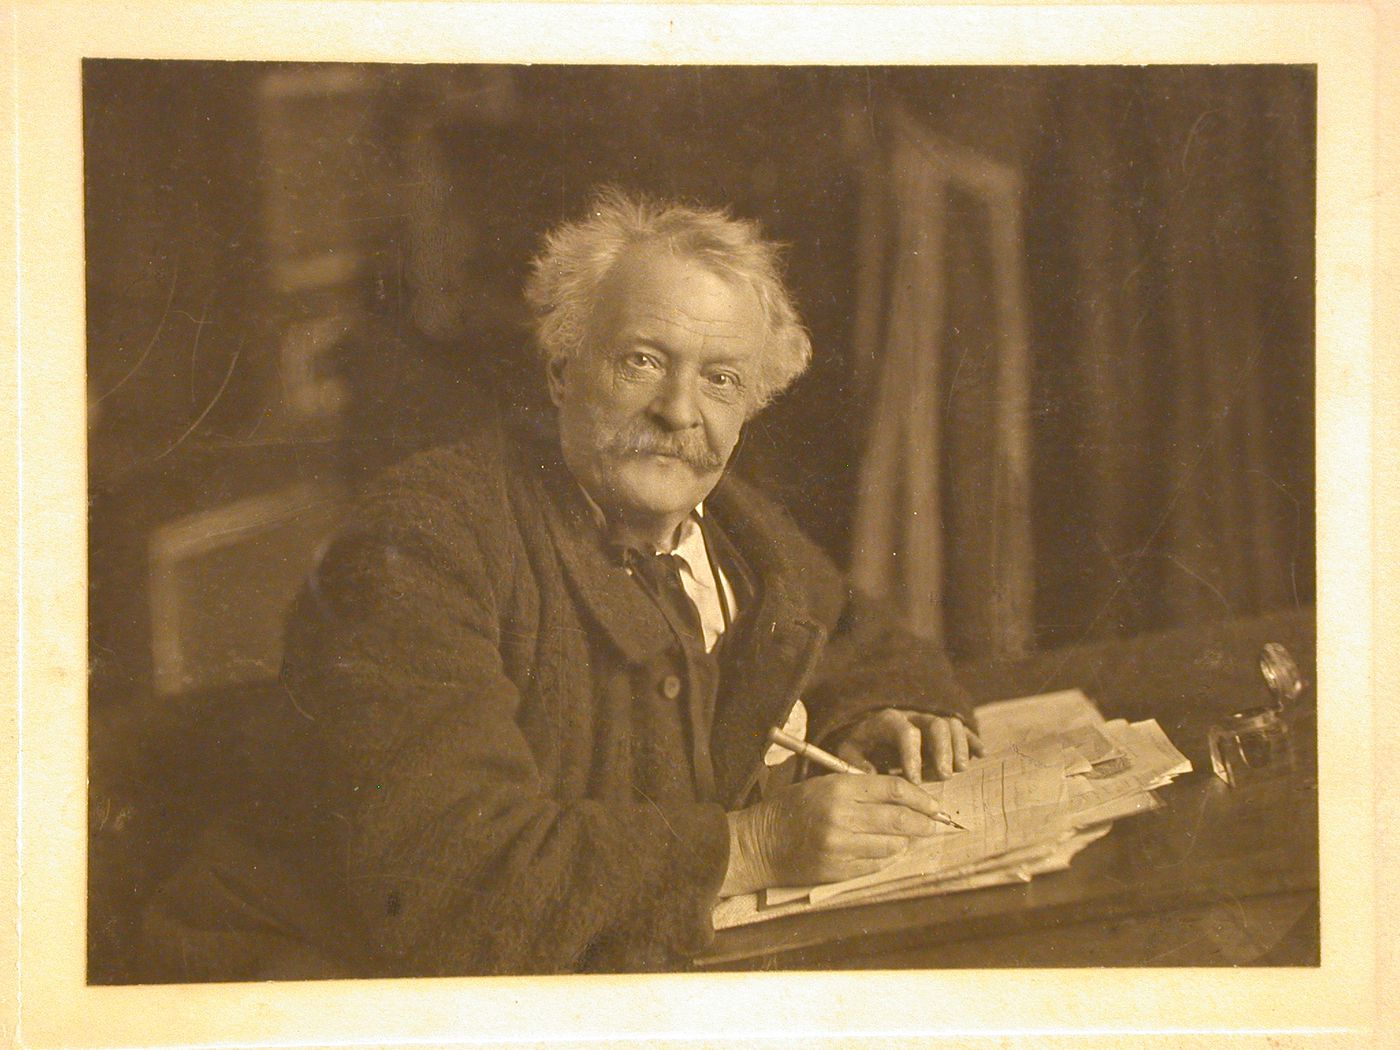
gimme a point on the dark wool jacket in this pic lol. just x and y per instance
(487, 787)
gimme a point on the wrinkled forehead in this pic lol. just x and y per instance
(654, 281)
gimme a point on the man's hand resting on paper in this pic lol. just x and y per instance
(921, 744)
(823, 830)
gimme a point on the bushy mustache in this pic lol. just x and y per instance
(689, 446)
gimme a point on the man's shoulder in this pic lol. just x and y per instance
(475, 461)
(776, 545)
(744, 503)
(463, 484)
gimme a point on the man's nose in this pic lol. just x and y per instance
(676, 405)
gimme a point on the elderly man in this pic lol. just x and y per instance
(538, 670)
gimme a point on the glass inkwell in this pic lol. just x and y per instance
(1254, 744)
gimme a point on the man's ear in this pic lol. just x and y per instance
(555, 373)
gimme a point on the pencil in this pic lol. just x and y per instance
(827, 760)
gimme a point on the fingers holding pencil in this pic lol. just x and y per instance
(829, 761)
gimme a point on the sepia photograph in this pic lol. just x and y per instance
(590, 519)
(700, 525)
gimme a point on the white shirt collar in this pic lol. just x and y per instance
(690, 537)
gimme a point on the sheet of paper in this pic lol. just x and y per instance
(1004, 804)
(1091, 742)
(1076, 764)
(1153, 757)
(1016, 866)
(1158, 749)
(1152, 762)
(1116, 809)
(1003, 724)
(1062, 775)
(743, 910)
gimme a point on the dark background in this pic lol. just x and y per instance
(296, 273)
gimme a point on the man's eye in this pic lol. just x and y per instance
(724, 380)
(638, 359)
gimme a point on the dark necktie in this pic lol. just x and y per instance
(660, 577)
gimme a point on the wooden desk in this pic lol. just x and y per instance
(1215, 877)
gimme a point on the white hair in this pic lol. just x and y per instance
(565, 278)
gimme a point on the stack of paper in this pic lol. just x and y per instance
(1124, 788)
(1111, 767)
(1054, 775)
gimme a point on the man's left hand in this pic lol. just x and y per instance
(909, 738)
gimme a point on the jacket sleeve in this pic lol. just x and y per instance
(869, 660)
(460, 861)
(870, 663)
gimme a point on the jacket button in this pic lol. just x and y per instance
(670, 687)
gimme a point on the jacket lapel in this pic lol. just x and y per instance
(778, 639)
(778, 645)
(599, 582)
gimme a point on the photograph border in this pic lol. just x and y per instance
(1335, 1004)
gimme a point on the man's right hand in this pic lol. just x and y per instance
(824, 830)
